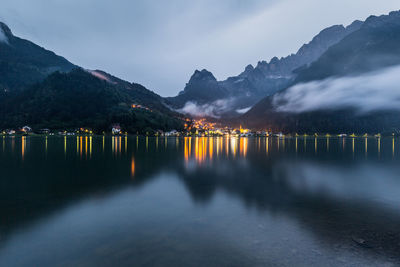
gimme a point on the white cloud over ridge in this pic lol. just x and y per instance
(375, 91)
(212, 110)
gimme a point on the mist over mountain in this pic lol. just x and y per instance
(351, 87)
(204, 95)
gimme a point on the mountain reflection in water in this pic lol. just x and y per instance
(199, 201)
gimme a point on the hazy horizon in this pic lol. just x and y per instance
(160, 44)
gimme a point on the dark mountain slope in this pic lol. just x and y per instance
(23, 62)
(79, 99)
(137, 92)
(43, 90)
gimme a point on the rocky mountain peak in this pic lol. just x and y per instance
(261, 63)
(308, 53)
(249, 68)
(326, 33)
(202, 76)
(6, 30)
(247, 71)
(354, 26)
(5, 33)
(377, 21)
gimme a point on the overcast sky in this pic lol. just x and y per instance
(160, 43)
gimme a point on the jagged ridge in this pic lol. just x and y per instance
(265, 79)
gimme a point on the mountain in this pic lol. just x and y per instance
(374, 46)
(350, 78)
(254, 83)
(202, 88)
(86, 99)
(137, 92)
(44, 90)
(23, 63)
(266, 76)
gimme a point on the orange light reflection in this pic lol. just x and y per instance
(132, 167)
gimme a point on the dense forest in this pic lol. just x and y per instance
(79, 99)
(43, 90)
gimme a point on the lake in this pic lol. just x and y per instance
(137, 201)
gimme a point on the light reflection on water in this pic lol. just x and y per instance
(201, 149)
(234, 146)
(199, 201)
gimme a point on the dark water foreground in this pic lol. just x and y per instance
(199, 201)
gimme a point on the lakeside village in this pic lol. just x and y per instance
(193, 127)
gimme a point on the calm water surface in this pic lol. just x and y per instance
(112, 201)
